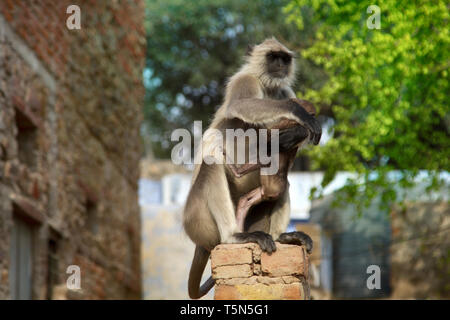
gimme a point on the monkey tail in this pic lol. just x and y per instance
(199, 262)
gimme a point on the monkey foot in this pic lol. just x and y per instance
(264, 240)
(298, 238)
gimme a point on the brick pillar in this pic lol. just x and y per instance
(243, 272)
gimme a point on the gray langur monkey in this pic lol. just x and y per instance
(259, 95)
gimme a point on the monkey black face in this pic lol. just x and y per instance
(278, 63)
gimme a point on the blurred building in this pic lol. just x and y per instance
(410, 244)
(167, 251)
(420, 250)
(70, 112)
(349, 244)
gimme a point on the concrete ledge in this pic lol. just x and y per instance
(244, 272)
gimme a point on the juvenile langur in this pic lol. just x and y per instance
(258, 96)
(273, 185)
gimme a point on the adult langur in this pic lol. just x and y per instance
(258, 96)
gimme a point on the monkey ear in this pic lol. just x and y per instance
(249, 49)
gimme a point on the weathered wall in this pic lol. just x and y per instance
(79, 93)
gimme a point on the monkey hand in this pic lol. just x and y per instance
(308, 106)
(264, 240)
(307, 119)
(291, 137)
(298, 238)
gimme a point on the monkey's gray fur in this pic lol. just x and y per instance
(254, 97)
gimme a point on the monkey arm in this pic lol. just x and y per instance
(290, 136)
(268, 111)
(244, 169)
(246, 102)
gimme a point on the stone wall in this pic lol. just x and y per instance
(244, 272)
(70, 112)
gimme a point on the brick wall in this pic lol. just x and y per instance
(243, 272)
(70, 112)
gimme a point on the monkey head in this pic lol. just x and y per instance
(278, 63)
(272, 62)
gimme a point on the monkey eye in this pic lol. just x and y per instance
(286, 58)
(271, 56)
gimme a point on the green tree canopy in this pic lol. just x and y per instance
(194, 46)
(387, 90)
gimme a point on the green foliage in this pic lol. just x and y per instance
(387, 88)
(193, 47)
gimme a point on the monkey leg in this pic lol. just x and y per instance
(210, 216)
(298, 238)
(280, 215)
(272, 187)
(245, 203)
(198, 222)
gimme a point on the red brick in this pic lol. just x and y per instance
(224, 292)
(235, 271)
(293, 291)
(8, 16)
(223, 257)
(9, 4)
(287, 260)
